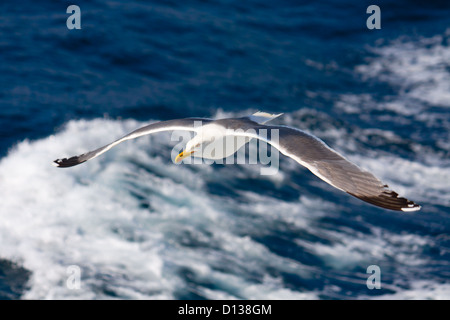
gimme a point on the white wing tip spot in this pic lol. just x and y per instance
(412, 207)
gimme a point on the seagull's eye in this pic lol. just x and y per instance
(197, 145)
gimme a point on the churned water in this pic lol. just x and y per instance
(133, 225)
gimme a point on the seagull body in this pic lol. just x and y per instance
(303, 147)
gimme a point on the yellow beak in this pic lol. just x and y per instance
(183, 155)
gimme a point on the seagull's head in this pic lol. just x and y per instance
(191, 147)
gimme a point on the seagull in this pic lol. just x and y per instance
(304, 148)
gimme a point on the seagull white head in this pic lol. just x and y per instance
(193, 145)
(208, 143)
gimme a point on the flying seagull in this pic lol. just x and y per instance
(301, 146)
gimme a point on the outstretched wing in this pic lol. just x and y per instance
(189, 124)
(328, 165)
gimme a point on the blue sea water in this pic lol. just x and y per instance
(137, 226)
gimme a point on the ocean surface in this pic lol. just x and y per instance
(133, 225)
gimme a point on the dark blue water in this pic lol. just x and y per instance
(378, 96)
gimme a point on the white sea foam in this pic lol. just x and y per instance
(91, 216)
(140, 227)
(418, 71)
(419, 68)
(420, 290)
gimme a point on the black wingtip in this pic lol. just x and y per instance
(67, 162)
(389, 199)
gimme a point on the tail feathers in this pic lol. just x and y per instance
(263, 117)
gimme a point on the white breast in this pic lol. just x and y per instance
(219, 142)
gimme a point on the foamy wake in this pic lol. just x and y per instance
(140, 227)
(419, 69)
(135, 224)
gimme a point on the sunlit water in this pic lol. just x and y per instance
(139, 226)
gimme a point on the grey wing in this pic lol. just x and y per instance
(189, 124)
(333, 168)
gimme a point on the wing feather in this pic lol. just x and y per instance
(189, 124)
(332, 167)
